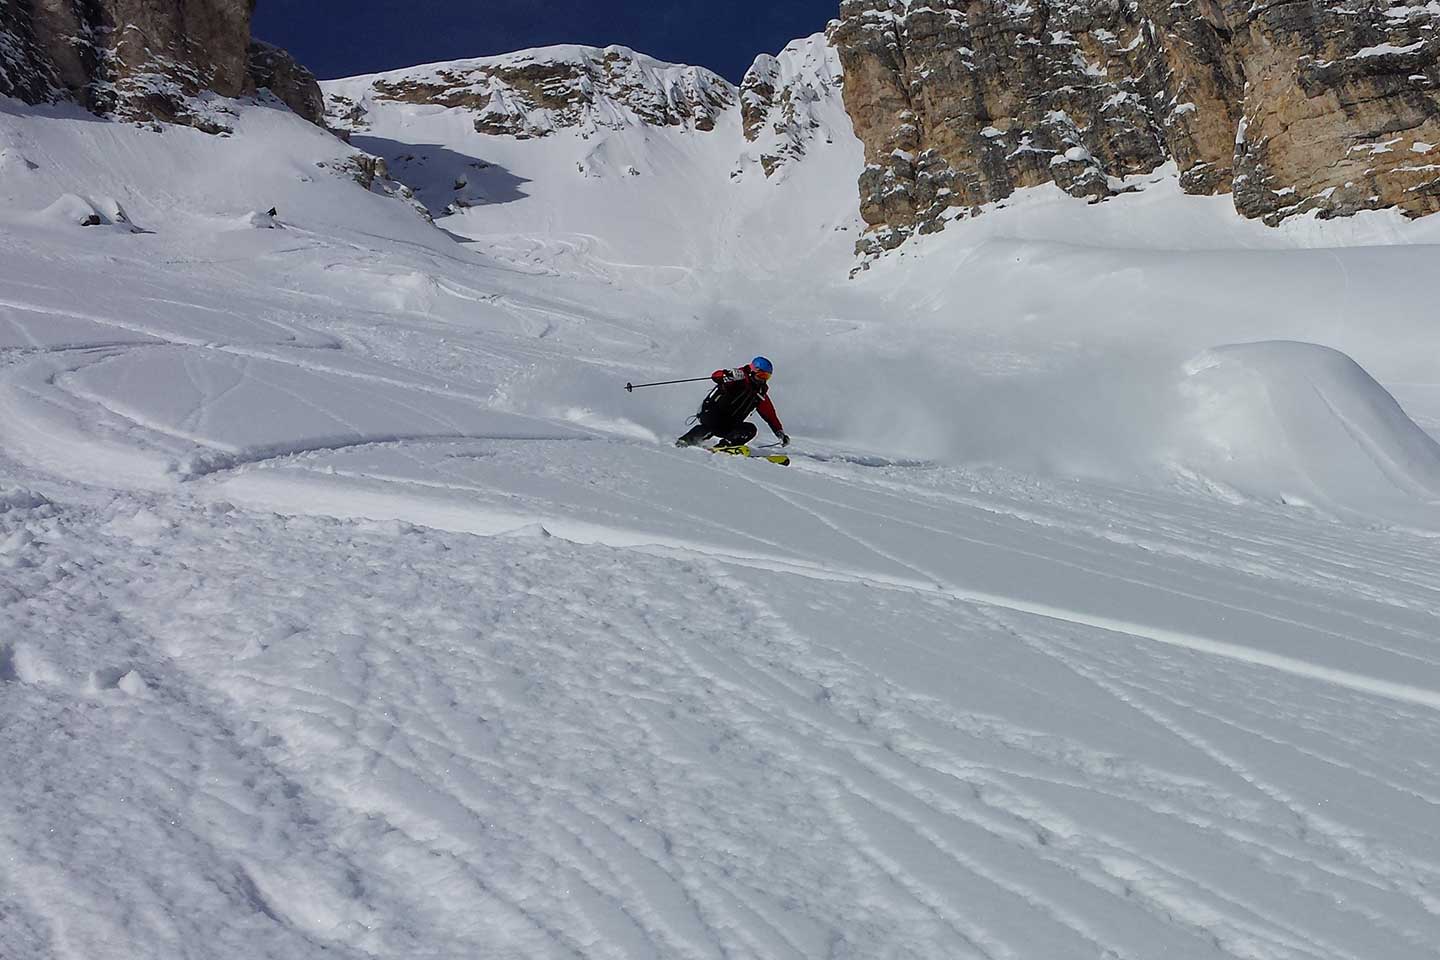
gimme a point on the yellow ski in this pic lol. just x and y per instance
(742, 450)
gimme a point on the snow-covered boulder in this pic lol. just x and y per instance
(71, 209)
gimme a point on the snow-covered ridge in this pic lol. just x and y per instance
(624, 158)
(786, 101)
(532, 93)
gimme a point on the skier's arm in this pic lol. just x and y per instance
(766, 409)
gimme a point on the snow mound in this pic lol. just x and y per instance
(1304, 423)
(72, 209)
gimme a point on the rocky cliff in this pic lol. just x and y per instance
(1293, 106)
(143, 59)
(24, 72)
(1290, 106)
(275, 70)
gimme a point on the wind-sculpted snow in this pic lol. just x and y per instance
(1306, 422)
(350, 608)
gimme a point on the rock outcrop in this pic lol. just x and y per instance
(134, 59)
(1296, 105)
(142, 60)
(536, 92)
(373, 173)
(273, 69)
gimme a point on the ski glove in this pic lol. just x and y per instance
(784, 439)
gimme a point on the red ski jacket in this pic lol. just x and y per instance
(737, 394)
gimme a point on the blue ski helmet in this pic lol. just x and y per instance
(763, 367)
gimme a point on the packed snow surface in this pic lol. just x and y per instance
(349, 607)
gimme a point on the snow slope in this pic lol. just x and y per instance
(349, 607)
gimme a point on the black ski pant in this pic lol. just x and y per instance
(729, 434)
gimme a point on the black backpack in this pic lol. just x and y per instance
(732, 402)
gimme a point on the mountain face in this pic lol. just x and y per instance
(537, 92)
(593, 93)
(1294, 107)
(145, 60)
(630, 164)
(1290, 108)
(782, 98)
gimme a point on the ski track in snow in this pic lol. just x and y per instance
(892, 813)
(931, 831)
(934, 827)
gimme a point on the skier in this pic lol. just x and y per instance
(737, 394)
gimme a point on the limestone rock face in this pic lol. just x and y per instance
(142, 60)
(272, 68)
(26, 70)
(1298, 105)
(536, 92)
(1343, 110)
(783, 100)
(159, 52)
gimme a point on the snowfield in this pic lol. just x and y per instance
(349, 607)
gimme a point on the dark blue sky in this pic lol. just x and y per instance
(367, 36)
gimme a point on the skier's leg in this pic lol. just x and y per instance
(739, 434)
(693, 436)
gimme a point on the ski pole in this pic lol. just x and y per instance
(660, 383)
